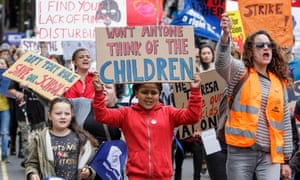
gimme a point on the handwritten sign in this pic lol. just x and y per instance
(32, 44)
(274, 16)
(45, 77)
(145, 53)
(237, 30)
(77, 19)
(212, 86)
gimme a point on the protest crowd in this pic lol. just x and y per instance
(189, 79)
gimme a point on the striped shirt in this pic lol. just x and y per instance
(231, 70)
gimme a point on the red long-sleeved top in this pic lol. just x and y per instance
(149, 133)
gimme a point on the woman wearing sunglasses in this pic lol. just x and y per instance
(258, 132)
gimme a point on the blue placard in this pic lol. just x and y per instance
(109, 160)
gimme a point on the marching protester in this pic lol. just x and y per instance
(206, 58)
(29, 109)
(13, 119)
(258, 133)
(49, 156)
(85, 114)
(216, 162)
(148, 126)
(84, 87)
(4, 117)
(30, 113)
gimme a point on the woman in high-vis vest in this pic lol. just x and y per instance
(258, 131)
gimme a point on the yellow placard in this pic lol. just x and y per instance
(237, 30)
(45, 77)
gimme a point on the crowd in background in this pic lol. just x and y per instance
(24, 112)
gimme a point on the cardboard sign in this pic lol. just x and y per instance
(145, 54)
(212, 86)
(77, 19)
(274, 16)
(45, 77)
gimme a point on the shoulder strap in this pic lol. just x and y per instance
(238, 87)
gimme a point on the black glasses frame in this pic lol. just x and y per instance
(261, 45)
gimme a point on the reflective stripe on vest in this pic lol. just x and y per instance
(240, 129)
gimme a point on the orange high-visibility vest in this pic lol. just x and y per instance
(240, 128)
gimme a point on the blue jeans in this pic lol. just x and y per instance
(243, 162)
(4, 130)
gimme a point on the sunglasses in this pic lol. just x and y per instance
(261, 45)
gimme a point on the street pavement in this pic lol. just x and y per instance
(13, 170)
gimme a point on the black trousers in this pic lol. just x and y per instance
(196, 148)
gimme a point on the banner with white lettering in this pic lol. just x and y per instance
(205, 19)
(45, 77)
(77, 19)
(145, 53)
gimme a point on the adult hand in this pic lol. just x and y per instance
(286, 172)
(226, 27)
(97, 83)
(196, 80)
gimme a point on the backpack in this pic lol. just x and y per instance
(225, 106)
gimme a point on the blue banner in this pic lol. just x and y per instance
(109, 160)
(207, 26)
(14, 38)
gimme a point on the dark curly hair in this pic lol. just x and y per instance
(278, 65)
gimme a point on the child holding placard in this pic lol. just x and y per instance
(148, 126)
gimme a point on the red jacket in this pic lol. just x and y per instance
(149, 133)
(77, 90)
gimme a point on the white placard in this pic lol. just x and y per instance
(210, 141)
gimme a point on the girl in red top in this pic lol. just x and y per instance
(148, 127)
(84, 86)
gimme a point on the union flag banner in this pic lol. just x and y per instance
(144, 12)
(274, 16)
